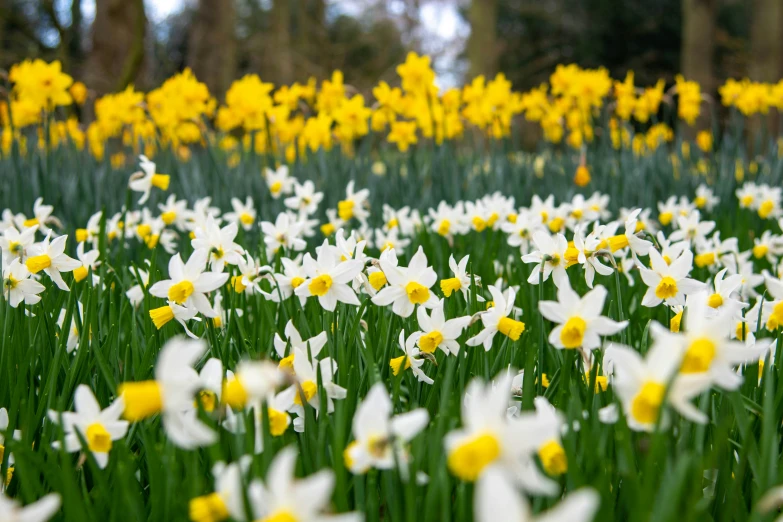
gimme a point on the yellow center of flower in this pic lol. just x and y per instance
(237, 284)
(553, 458)
(556, 225)
(766, 208)
(479, 224)
(666, 289)
(741, 331)
(234, 393)
(296, 281)
(577, 213)
(320, 285)
(715, 301)
(647, 403)
(161, 181)
(278, 421)
(98, 439)
(281, 516)
(208, 400)
(276, 187)
(396, 364)
(309, 388)
(511, 328)
(674, 325)
(246, 219)
(444, 227)
(161, 316)
(152, 240)
(287, 365)
(665, 218)
(180, 292)
(208, 508)
(81, 235)
(80, 273)
(377, 280)
(345, 209)
(143, 230)
(699, 356)
(467, 460)
(168, 217)
(37, 263)
(328, 229)
(617, 242)
(393, 222)
(448, 286)
(573, 333)
(512, 217)
(418, 294)
(760, 251)
(31, 222)
(428, 343)
(705, 259)
(142, 399)
(700, 202)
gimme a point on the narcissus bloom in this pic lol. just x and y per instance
(579, 320)
(408, 286)
(378, 434)
(189, 284)
(311, 346)
(98, 427)
(50, 258)
(410, 359)
(461, 279)
(437, 332)
(278, 181)
(549, 258)
(226, 501)
(143, 180)
(18, 286)
(668, 282)
(498, 318)
(328, 278)
(39, 511)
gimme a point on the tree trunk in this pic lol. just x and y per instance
(117, 44)
(212, 45)
(698, 47)
(766, 53)
(482, 44)
(281, 42)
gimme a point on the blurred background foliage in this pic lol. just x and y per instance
(112, 43)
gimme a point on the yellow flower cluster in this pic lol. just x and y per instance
(751, 98)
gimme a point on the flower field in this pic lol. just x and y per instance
(299, 304)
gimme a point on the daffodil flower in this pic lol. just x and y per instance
(227, 498)
(311, 346)
(408, 286)
(50, 258)
(579, 320)
(18, 287)
(143, 180)
(39, 511)
(668, 282)
(306, 386)
(550, 257)
(244, 213)
(378, 434)
(305, 199)
(285, 232)
(497, 319)
(328, 278)
(410, 359)
(14, 244)
(437, 332)
(98, 427)
(189, 284)
(278, 181)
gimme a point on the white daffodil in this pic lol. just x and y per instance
(579, 320)
(173, 393)
(724, 291)
(50, 258)
(285, 232)
(520, 231)
(355, 204)
(218, 243)
(639, 246)
(496, 498)
(437, 332)
(386, 240)
(244, 213)
(641, 385)
(98, 427)
(227, 499)
(550, 252)
(89, 261)
(202, 209)
(15, 244)
(690, 228)
(496, 319)
(17, 435)
(143, 180)
(39, 511)
(211, 385)
(448, 221)
(284, 285)
(705, 348)
(305, 198)
(311, 346)
(489, 439)
(278, 181)
(42, 217)
(136, 293)
(668, 282)
(307, 385)
(586, 248)
(189, 284)
(407, 286)
(252, 382)
(461, 280)
(705, 198)
(284, 498)
(250, 272)
(18, 287)
(174, 212)
(410, 359)
(379, 435)
(277, 406)
(328, 278)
